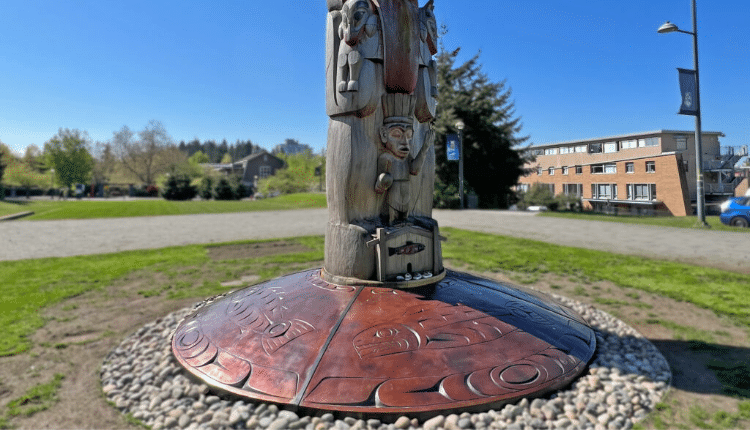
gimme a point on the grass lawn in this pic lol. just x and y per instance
(680, 222)
(190, 272)
(29, 285)
(115, 208)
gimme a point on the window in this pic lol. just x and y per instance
(604, 191)
(566, 150)
(537, 152)
(550, 151)
(595, 148)
(629, 144)
(264, 172)
(565, 170)
(641, 191)
(581, 148)
(650, 141)
(539, 171)
(523, 188)
(603, 168)
(610, 147)
(650, 166)
(551, 171)
(685, 165)
(629, 168)
(579, 170)
(573, 190)
(681, 142)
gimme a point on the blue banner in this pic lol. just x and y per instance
(451, 147)
(689, 92)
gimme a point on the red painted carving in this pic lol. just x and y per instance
(306, 342)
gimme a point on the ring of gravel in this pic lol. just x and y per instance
(624, 381)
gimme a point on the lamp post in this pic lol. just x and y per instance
(668, 27)
(460, 126)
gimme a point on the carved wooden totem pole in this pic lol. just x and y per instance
(383, 329)
(381, 97)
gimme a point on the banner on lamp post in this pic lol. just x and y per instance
(452, 147)
(689, 92)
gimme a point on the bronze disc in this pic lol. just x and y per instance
(461, 343)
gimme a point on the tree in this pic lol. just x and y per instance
(5, 157)
(68, 153)
(20, 174)
(226, 159)
(491, 164)
(199, 158)
(140, 156)
(104, 162)
(297, 177)
(33, 158)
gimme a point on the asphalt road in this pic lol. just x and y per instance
(21, 239)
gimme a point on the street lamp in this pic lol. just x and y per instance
(460, 126)
(668, 27)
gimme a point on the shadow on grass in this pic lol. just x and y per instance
(707, 368)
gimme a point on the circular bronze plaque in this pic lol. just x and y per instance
(461, 343)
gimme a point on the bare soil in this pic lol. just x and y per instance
(81, 331)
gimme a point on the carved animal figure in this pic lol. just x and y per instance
(359, 21)
(428, 27)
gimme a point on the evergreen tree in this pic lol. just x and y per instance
(490, 138)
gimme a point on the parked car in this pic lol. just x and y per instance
(736, 212)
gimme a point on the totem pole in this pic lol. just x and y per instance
(381, 98)
(383, 329)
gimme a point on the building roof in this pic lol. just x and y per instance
(256, 155)
(621, 137)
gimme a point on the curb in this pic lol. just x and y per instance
(15, 216)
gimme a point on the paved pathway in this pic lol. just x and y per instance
(33, 239)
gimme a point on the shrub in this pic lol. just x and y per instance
(224, 190)
(206, 188)
(538, 195)
(566, 202)
(178, 187)
(152, 190)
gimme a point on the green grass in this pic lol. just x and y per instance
(665, 221)
(113, 208)
(30, 285)
(721, 291)
(37, 398)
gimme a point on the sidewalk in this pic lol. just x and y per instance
(36, 239)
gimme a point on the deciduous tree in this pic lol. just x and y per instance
(68, 153)
(490, 137)
(140, 156)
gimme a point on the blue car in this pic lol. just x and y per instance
(736, 212)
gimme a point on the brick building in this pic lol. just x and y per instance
(640, 173)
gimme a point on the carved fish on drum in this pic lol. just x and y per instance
(408, 249)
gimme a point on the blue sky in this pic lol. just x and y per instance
(254, 69)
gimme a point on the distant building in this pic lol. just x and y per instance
(291, 147)
(253, 167)
(640, 173)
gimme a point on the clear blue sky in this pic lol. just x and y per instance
(254, 69)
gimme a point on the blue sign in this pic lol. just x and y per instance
(451, 147)
(688, 92)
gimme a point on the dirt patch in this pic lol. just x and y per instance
(81, 331)
(254, 250)
(689, 337)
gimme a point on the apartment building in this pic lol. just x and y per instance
(639, 173)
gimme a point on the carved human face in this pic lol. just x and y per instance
(397, 138)
(354, 17)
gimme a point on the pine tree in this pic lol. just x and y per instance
(490, 137)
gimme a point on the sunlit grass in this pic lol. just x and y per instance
(113, 208)
(661, 221)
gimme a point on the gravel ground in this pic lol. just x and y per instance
(624, 381)
(34, 239)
